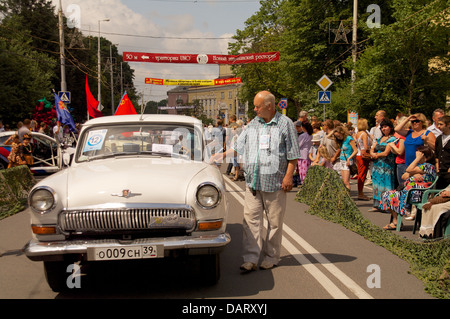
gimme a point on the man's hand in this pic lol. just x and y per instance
(218, 157)
(287, 184)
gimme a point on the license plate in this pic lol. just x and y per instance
(124, 253)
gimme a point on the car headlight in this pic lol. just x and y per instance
(42, 200)
(208, 195)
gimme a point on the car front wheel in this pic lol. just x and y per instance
(56, 275)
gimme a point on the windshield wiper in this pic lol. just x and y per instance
(156, 153)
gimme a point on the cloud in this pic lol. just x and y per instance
(151, 22)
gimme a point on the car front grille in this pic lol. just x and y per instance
(136, 219)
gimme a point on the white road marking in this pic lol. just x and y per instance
(326, 283)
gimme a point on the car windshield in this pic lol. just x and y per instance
(161, 140)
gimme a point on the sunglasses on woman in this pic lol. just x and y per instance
(416, 121)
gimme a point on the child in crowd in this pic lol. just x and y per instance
(314, 148)
(323, 158)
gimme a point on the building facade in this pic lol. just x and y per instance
(216, 102)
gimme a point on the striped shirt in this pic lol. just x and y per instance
(266, 149)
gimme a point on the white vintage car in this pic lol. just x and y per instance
(138, 187)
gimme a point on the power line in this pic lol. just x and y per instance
(162, 37)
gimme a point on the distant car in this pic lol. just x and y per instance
(49, 156)
(137, 188)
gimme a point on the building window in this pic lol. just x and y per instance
(230, 94)
(222, 95)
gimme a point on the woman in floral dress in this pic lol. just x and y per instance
(383, 170)
(419, 174)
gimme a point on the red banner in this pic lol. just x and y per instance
(193, 82)
(201, 58)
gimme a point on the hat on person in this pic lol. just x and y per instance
(316, 138)
(298, 123)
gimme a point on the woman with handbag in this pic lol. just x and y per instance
(348, 151)
(363, 157)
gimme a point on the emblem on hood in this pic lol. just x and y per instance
(126, 193)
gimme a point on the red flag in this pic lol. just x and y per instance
(125, 107)
(92, 103)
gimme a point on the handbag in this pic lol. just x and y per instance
(353, 168)
(365, 155)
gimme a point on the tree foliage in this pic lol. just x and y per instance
(30, 62)
(394, 68)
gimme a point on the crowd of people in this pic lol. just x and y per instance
(22, 146)
(393, 156)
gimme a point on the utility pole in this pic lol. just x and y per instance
(112, 79)
(99, 67)
(354, 40)
(61, 49)
(121, 78)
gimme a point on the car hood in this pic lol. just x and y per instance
(157, 181)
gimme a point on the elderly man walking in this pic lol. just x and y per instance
(270, 151)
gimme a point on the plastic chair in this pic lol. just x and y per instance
(428, 190)
(418, 218)
(424, 201)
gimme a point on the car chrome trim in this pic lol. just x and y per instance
(132, 217)
(36, 250)
(49, 189)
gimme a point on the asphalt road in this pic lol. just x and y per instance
(320, 260)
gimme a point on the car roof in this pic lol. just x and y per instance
(145, 118)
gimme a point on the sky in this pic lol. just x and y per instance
(164, 26)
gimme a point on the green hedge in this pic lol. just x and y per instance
(15, 184)
(326, 195)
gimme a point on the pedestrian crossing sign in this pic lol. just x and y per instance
(324, 97)
(65, 97)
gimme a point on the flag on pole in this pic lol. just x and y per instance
(92, 103)
(63, 114)
(125, 106)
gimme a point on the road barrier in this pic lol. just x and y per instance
(327, 197)
(15, 184)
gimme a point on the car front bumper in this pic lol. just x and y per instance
(52, 251)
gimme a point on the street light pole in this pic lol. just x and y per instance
(99, 68)
(354, 40)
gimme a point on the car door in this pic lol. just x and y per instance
(46, 153)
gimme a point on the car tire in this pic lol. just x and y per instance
(210, 269)
(56, 275)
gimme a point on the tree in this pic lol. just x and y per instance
(35, 24)
(25, 74)
(395, 73)
(393, 70)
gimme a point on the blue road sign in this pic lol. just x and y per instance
(324, 97)
(65, 97)
(283, 104)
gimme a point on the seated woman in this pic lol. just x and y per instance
(432, 212)
(419, 174)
